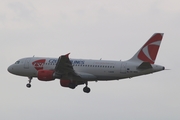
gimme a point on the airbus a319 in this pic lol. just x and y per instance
(74, 72)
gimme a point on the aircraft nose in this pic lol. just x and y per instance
(10, 69)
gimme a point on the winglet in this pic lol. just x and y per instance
(67, 55)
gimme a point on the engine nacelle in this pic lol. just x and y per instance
(70, 84)
(45, 75)
(65, 83)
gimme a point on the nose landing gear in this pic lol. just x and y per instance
(29, 84)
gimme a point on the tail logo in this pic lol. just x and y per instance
(38, 64)
(149, 51)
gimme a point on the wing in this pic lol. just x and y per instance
(64, 68)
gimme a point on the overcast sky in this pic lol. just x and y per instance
(90, 29)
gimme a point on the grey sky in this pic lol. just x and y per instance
(110, 29)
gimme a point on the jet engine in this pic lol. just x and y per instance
(70, 84)
(45, 75)
(65, 83)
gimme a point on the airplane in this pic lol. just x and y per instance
(74, 72)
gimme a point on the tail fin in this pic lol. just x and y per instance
(149, 50)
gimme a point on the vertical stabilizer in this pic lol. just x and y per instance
(149, 50)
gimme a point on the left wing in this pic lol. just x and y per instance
(64, 68)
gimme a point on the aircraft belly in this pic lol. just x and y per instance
(106, 78)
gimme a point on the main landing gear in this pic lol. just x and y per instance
(86, 89)
(29, 84)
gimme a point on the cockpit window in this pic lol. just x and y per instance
(17, 62)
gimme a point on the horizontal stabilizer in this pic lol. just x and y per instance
(145, 65)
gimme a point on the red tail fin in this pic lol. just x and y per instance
(149, 50)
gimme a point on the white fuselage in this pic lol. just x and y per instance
(100, 69)
(74, 72)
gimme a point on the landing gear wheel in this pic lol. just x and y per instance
(28, 85)
(86, 89)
